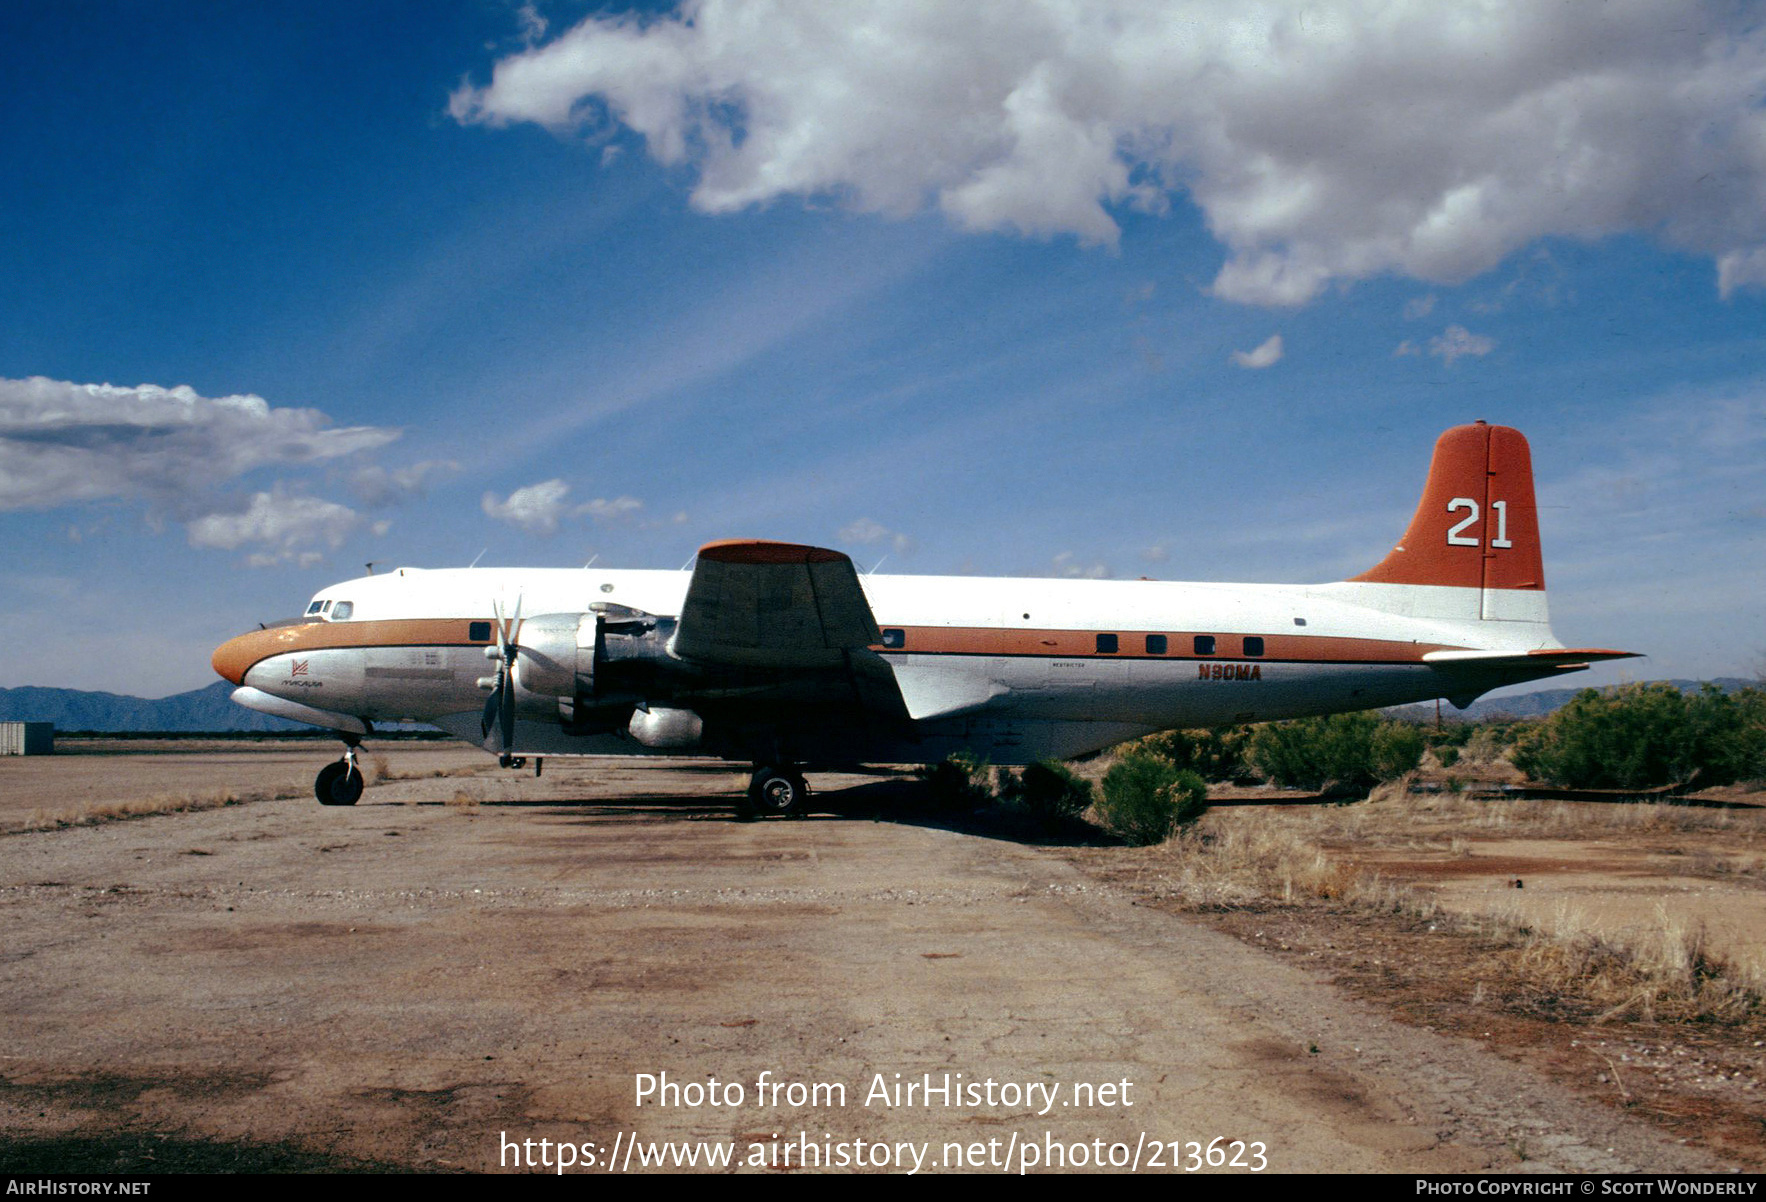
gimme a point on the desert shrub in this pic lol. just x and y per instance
(1647, 735)
(1394, 749)
(1048, 789)
(1449, 734)
(1217, 754)
(958, 782)
(1348, 751)
(1490, 740)
(1448, 755)
(1146, 797)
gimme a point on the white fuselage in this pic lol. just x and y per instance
(1012, 669)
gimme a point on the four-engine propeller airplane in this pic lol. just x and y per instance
(780, 655)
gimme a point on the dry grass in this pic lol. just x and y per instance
(1667, 972)
(376, 769)
(98, 813)
(1393, 816)
(471, 795)
(1243, 859)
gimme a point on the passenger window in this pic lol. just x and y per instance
(341, 611)
(1155, 644)
(479, 632)
(895, 640)
(1204, 644)
(1106, 644)
(1254, 645)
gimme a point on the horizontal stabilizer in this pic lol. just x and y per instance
(1471, 674)
(1564, 658)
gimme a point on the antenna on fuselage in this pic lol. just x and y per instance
(592, 559)
(370, 566)
(476, 558)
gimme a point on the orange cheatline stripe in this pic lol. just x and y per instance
(1064, 644)
(235, 658)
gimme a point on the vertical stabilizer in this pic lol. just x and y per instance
(1476, 529)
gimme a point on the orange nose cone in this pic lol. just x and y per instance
(234, 658)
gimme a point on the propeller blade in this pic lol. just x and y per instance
(507, 715)
(499, 707)
(491, 706)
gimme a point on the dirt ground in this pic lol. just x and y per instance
(86, 773)
(1615, 947)
(463, 961)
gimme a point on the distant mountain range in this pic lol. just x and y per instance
(211, 710)
(199, 710)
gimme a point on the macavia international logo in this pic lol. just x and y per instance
(298, 676)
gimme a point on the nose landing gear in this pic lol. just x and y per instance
(339, 783)
(775, 790)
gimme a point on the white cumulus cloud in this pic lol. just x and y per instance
(289, 527)
(536, 508)
(62, 443)
(607, 512)
(378, 486)
(1456, 341)
(868, 532)
(1267, 354)
(1066, 564)
(1324, 141)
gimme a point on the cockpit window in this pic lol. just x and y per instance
(342, 610)
(315, 607)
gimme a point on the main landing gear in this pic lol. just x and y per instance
(775, 791)
(340, 783)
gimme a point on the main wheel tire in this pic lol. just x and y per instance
(777, 794)
(338, 784)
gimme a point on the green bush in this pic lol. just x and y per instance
(1448, 755)
(1146, 797)
(1644, 736)
(1346, 751)
(958, 782)
(1449, 734)
(1396, 748)
(1050, 791)
(1215, 755)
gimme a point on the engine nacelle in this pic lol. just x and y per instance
(556, 660)
(665, 728)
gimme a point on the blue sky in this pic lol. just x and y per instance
(959, 288)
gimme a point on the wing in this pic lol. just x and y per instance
(788, 608)
(774, 605)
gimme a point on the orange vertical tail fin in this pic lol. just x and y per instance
(1477, 526)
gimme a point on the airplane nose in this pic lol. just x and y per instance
(234, 658)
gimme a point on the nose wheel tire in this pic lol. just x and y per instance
(339, 784)
(775, 792)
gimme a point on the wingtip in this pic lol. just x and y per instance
(756, 550)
